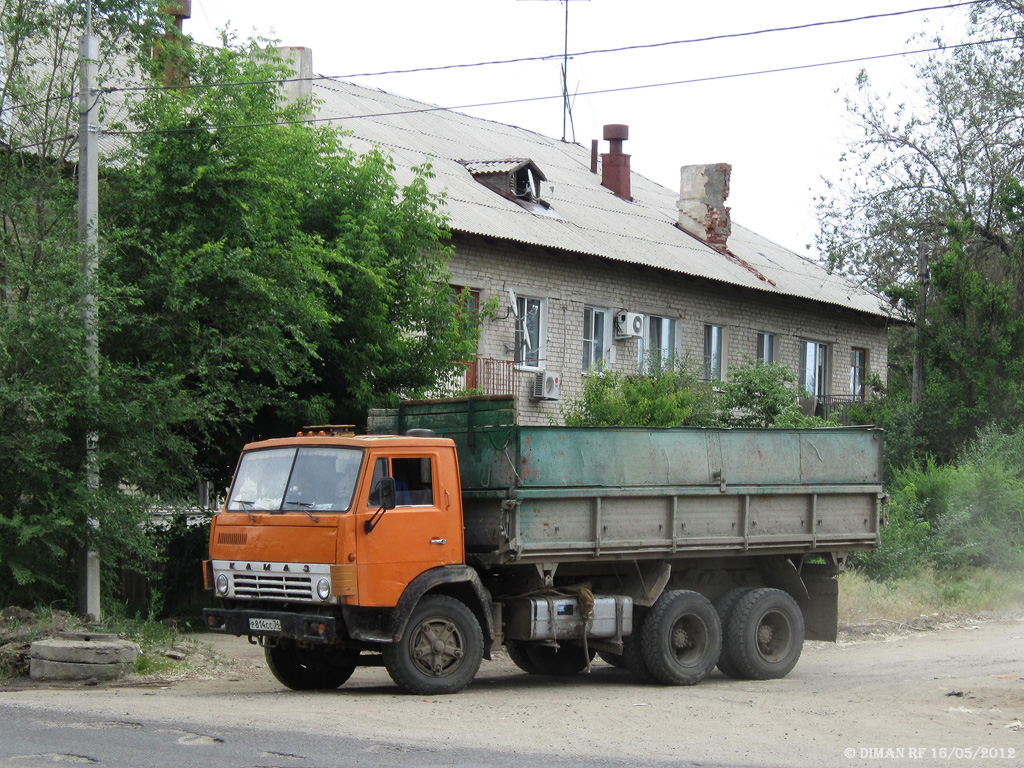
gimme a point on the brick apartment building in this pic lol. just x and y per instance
(592, 265)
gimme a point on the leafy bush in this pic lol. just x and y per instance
(761, 395)
(966, 513)
(666, 396)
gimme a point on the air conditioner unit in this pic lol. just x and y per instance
(546, 386)
(629, 325)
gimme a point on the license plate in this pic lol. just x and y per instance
(265, 625)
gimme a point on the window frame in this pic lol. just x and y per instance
(531, 359)
(767, 347)
(667, 351)
(858, 373)
(821, 384)
(594, 357)
(714, 364)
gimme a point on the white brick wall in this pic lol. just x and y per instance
(569, 282)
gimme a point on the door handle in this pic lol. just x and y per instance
(439, 541)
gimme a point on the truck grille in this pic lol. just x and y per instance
(273, 586)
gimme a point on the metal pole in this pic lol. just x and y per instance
(88, 188)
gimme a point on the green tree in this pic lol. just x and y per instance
(47, 405)
(924, 214)
(255, 275)
(276, 276)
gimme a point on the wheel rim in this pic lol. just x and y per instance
(689, 640)
(438, 647)
(774, 636)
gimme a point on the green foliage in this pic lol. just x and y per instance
(254, 274)
(762, 395)
(929, 212)
(953, 515)
(668, 396)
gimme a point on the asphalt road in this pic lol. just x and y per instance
(948, 696)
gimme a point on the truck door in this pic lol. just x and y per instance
(423, 531)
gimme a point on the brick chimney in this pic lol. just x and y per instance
(702, 211)
(300, 60)
(614, 164)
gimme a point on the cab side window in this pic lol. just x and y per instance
(414, 481)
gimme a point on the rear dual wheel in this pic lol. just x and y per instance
(681, 638)
(764, 636)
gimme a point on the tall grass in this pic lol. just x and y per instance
(927, 591)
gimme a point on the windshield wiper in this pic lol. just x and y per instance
(302, 505)
(245, 509)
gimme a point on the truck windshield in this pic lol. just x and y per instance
(304, 479)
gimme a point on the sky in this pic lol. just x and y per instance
(781, 132)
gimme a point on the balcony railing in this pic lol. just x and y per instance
(495, 377)
(827, 406)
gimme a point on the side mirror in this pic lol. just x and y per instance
(387, 493)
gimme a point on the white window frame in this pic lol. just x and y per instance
(530, 357)
(815, 379)
(668, 348)
(714, 352)
(597, 334)
(767, 347)
(858, 384)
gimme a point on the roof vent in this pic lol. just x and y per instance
(517, 179)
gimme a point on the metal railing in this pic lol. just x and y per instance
(495, 377)
(827, 406)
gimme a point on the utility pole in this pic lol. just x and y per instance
(88, 222)
(921, 317)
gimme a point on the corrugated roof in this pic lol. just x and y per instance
(593, 221)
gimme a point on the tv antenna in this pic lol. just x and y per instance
(566, 101)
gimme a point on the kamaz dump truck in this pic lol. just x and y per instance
(452, 531)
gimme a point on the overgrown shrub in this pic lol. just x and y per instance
(966, 513)
(665, 396)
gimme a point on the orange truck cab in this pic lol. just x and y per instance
(326, 546)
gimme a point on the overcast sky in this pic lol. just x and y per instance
(781, 132)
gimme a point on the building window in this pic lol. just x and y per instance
(766, 347)
(713, 352)
(858, 372)
(658, 346)
(814, 368)
(529, 331)
(596, 331)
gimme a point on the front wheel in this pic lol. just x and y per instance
(440, 650)
(308, 669)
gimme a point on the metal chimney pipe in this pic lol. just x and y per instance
(615, 164)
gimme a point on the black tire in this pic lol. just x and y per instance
(565, 660)
(517, 652)
(726, 606)
(632, 654)
(440, 650)
(765, 634)
(615, 659)
(308, 669)
(681, 638)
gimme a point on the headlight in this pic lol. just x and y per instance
(323, 589)
(222, 584)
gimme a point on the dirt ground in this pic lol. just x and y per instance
(937, 692)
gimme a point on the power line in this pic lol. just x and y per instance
(598, 92)
(526, 59)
